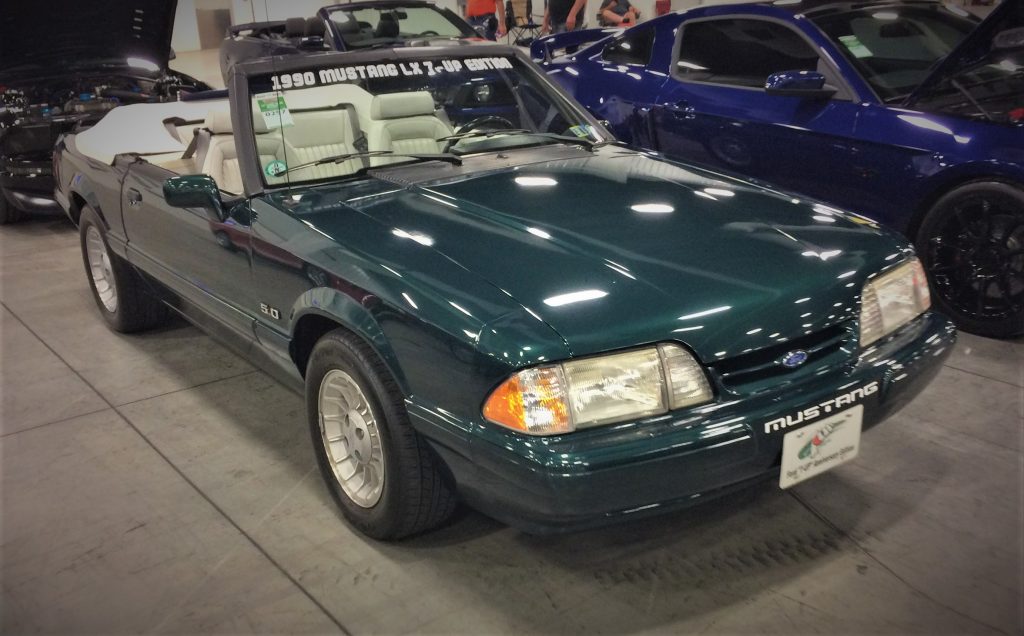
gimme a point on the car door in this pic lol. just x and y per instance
(201, 258)
(715, 110)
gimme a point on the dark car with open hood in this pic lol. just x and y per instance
(57, 72)
(485, 297)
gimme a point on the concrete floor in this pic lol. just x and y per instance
(157, 483)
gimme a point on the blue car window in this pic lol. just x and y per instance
(742, 52)
(895, 49)
(634, 47)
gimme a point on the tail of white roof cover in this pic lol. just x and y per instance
(139, 128)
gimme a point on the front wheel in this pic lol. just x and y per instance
(118, 290)
(972, 245)
(381, 473)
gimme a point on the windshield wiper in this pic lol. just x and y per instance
(451, 140)
(443, 156)
(580, 141)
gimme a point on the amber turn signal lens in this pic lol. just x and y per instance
(532, 401)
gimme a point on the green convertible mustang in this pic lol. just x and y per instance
(485, 297)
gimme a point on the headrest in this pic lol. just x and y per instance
(218, 122)
(294, 27)
(349, 26)
(315, 27)
(395, 105)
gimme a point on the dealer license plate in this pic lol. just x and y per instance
(820, 446)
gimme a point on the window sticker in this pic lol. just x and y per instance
(274, 110)
(409, 68)
(853, 45)
(275, 168)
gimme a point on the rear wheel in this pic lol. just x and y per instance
(8, 213)
(972, 245)
(118, 290)
(382, 474)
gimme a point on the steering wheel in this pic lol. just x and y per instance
(496, 123)
(430, 33)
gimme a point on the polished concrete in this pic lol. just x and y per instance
(158, 483)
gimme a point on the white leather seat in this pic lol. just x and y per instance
(220, 160)
(322, 133)
(404, 122)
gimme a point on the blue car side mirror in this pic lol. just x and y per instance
(798, 84)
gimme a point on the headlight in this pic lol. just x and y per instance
(892, 300)
(604, 389)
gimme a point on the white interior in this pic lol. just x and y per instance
(400, 122)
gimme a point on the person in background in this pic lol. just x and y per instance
(617, 13)
(489, 14)
(562, 15)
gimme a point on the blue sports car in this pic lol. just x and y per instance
(910, 112)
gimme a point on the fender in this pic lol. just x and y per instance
(343, 309)
(935, 186)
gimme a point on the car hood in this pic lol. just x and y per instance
(617, 249)
(973, 49)
(42, 34)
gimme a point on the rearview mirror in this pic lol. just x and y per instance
(194, 191)
(809, 84)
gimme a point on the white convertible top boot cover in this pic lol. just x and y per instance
(140, 128)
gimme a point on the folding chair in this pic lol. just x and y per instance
(522, 29)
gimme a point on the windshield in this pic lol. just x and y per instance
(330, 122)
(369, 26)
(894, 48)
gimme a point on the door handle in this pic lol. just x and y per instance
(681, 109)
(134, 197)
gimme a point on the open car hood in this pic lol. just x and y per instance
(59, 32)
(973, 49)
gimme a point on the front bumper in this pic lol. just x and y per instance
(592, 477)
(28, 185)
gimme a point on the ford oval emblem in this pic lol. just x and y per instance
(793, 359)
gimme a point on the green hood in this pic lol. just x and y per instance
(617, 249)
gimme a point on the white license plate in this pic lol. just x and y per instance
(820, 446)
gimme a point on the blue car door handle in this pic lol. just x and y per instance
(681, 109)
(134, 197)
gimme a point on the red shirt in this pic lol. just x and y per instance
(480, 7)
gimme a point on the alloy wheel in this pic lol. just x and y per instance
(100, 269)
(348, 429)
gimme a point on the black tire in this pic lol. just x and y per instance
(416, 493)
(8, 213)
(134, 308)
(971, 243)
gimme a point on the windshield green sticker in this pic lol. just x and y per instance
(853, 45)
(275, 168)
(274, 110)
(584, 130)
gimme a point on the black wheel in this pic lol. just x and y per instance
(383, 476)
(119, 291)
(972, 245)
(8, 213)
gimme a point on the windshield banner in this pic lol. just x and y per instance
(411, 68)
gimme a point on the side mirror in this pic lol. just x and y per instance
(808, 84)
(195, 191)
